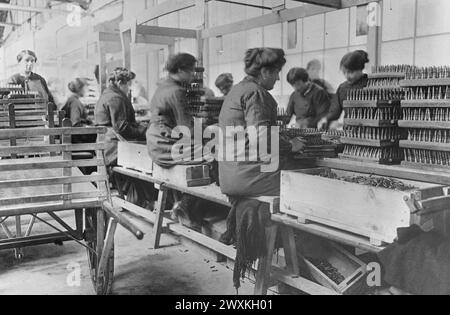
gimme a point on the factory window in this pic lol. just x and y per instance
(292, 34)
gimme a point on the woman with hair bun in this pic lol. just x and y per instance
(75, 110)
(352, 65)
(249, 104)
(115, 111)
(29, 80)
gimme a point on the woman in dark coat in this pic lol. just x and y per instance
(168, 110)
(29, 80)
(249, 104)
(76, 111)
(352, 65)
(115, 111)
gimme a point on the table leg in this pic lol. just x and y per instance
(157, 228)
(265, 263)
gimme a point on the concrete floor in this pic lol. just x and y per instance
(173, 270)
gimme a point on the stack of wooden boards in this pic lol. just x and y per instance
(426, 118)
(134, 156)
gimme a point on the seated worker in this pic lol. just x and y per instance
(249, 104)
(29, 80)
(168, 110)
(224, 83)
(76, 111)
(115, 111)
(352, 65)
(310, 103)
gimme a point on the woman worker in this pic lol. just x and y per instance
(249, 104)
(115, 111)
(76, 111)
(352, 65)
(168, 110)
(29, 80)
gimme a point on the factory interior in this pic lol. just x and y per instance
(224, 148)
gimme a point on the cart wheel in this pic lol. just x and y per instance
(104, 286)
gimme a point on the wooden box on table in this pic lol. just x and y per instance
(373, 212)
(134, 156)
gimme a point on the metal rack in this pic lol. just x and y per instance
(426, 118)
(372, 113)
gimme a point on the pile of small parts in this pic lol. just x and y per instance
(328, 269)
(379, 182)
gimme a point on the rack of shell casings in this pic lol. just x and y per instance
(201, 106)
(371, 118)
(426, 118)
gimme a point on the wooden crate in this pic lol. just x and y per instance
(348, 265)
(372, 212)
(134, 155)
(189, 176)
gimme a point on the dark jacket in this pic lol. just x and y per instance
(309, 107)
(168, 110)
(249, 104)
(76, 111)
(114, 110)
(337, 104)
(24, 82)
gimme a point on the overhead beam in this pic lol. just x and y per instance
(326, 3)
(265, 20)
(9, 24)
(155, 12)
(165, 31)
(12, 7)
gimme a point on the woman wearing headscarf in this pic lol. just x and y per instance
(29, 80)
(115, 111)
(352, 65)
(249, 104)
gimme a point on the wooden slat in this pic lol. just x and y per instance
(48, 198)
(51, 181)
(51, 207)
(18, 165)
(52, 148)
(25, 113)
(425, 145)
(25, 132)
(435, 204)
(22, 124)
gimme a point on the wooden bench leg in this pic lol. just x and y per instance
(290, 255)
(159, 216)
(265, 264)
(109, 244)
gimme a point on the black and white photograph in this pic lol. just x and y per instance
(224, 155)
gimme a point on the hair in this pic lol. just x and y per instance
(121, 75)
(312, 63)
(179, 62)
(224, 79)
(259, 58)
(25, 52)
(77, 85)
(297, 74)
(355, 61)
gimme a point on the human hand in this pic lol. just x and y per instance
(298, 145)
(323, 124)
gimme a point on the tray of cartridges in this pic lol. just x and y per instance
(317, 146)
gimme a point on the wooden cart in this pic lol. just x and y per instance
(42, 188)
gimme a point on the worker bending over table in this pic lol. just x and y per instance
(249, 104)
(309, 103)
(352, 65)
(168, 111)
